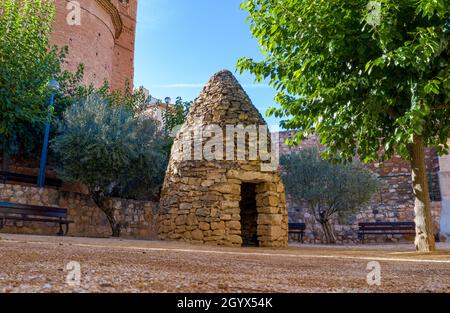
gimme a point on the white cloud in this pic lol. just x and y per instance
(180, 85)
(200, 85)
(256, 86)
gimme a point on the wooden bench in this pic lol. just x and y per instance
(28, 179)
(297, 231)
(386, 228)
(32, 213)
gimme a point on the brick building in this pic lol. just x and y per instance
(101, 36)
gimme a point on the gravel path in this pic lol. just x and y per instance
(38, 264)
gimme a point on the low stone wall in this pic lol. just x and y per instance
(135, 216)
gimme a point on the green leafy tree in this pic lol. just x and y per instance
(73, 91)
(136, 99)
(177, 113)
(370, 80)
(328, 190)
(27, 65)
(112, 152)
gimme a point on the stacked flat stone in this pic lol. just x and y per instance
(201, 199)
(136, 217)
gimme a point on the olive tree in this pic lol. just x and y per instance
(111, 151)
(371, 78)
(328, 190)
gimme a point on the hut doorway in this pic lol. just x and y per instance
(249, 215)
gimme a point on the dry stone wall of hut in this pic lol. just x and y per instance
(221, 202)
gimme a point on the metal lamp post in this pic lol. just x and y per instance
(54, 87)
(166, 126)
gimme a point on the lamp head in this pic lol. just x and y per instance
(53, 85)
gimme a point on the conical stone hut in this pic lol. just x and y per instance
(217, 190)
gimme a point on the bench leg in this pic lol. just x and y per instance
(61, 232)
(67, 229)
(292, 236)
(301, 237)
(2, 222)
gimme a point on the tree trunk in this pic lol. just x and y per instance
(328, 231)
(115, 227)
(105, 205)
(5, 160)
(424, 225)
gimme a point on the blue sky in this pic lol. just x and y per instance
(180, 44)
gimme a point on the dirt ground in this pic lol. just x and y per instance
(38, 264)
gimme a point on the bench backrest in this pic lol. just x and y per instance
(32, 210)
(387, 225)
(28, 179)
(297, 226)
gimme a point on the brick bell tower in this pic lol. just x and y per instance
(123, 64)
(103, 39)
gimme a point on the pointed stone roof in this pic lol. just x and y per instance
(223, 101)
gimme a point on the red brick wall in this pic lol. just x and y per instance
(123, 66)
(94, 42)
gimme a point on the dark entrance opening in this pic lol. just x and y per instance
(249, 215)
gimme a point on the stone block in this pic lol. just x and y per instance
(218, 225)
(233, 225)
(270, 219)
(197, 234)
(203, 212)
(227, 188)
(185, 206)
(207, 183)
(263, 187)
(218, 232)
(225, 217)
(204, 226)
(272, 201)
(235, 239)
(180, 220)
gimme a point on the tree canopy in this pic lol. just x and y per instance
(177, 114)
(363, 88)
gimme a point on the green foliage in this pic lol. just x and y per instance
(327, 189)
(136, 100)
(110, 150)
(362, 88)
(176, 115)
(73, 91)
(70, 91)
(27, 65)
